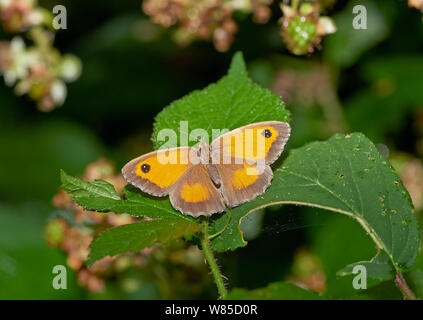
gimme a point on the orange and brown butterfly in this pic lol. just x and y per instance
(202, 181)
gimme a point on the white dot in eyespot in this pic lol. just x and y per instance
(383, 149)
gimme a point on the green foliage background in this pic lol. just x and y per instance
(127, 82)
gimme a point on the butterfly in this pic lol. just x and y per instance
(202, 181)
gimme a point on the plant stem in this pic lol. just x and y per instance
(208, 254)
(402, 285)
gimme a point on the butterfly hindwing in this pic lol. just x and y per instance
(243, 182)
(196, 194)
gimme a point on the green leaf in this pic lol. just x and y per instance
(274, 291)
(232, 102)
(347, 175)
(101, 196)
(137, 236)
(81, 190)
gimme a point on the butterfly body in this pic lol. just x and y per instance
(234, 169)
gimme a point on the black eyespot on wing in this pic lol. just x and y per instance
(267, 133)
(145, 168)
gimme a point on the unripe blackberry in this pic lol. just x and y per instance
(302, 29)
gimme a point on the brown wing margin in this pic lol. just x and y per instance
(284, 131)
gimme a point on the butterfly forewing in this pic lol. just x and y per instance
(254, 142)
(158, 171)
(250, 150)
